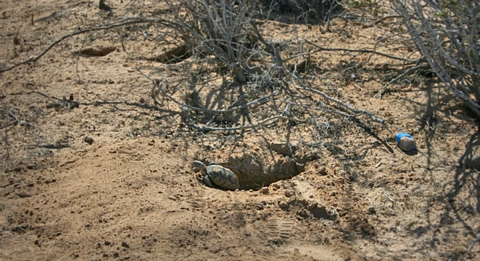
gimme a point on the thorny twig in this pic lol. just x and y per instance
(477, 239)
(426, 248)
(161, 87)
(406, 72)
(15, 120)
(321, 48)
(127, 21)
(184, 107)
(301, 85)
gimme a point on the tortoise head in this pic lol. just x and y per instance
(199, 166)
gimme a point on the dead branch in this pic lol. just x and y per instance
(13, 116)
(264, 122)
(385, 18)
(403, 74)
(301, 85)
(125, 22)
(15, 120)
(161, 86)
(321, 48)
(465, 255)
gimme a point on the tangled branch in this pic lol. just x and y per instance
(124, 22)
(447, 35)
(260, 82)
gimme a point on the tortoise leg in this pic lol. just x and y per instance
(207, 181)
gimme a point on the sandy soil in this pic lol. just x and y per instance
(108, 176)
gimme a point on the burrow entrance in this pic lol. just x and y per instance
(258, 167)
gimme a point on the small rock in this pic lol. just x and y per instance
(88, 140)
(24, 123)
(264, 190)
(323, 171)
(405, 142)
(15, 40)
(303, 213)
(283, 204)
(371, 210)
(289, 193)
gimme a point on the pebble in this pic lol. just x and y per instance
(405, 142)
(24, 123)
(283, 204)
(371, 210)
(88, 140)
(323, 171)
(260, 206)
(264, 190)
(289, 193)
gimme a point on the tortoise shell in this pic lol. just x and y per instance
(222, 177)
(218, 175)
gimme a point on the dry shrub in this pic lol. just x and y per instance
(257, 86)
(446, 32)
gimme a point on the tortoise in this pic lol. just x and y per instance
(217, 175)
